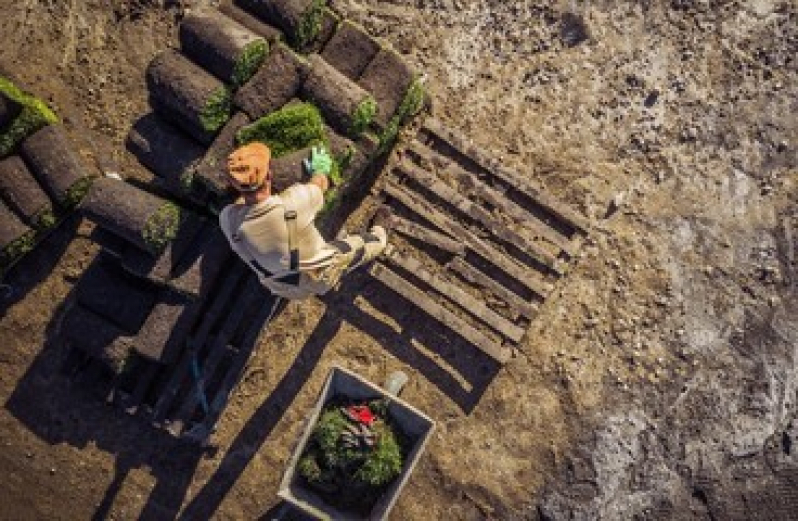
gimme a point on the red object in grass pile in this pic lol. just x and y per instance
(361, 414)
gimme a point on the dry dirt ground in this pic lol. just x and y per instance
(660, 380)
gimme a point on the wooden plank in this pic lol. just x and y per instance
(424, 234)
(181, 369)
(526, 276)
(527, 221)
(479, 278)
(434, 184)
(219, 347)
(470, 304)
(200, 432)
(566, 214)
(495, 350)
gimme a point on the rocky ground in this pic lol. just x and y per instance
(659, 382)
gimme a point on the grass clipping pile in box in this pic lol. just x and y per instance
(354, 453)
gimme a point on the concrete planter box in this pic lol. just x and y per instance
(414, 423)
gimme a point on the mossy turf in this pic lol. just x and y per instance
(309, 25)
(161, 227)
(76, 192)
(295, 126)
(363, 116)
(16, 249)
(35, 114)
(217, 110)
(248, 63)
(412, 103)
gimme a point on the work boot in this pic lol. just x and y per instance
(383, 217)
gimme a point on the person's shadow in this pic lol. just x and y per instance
(447, 353)
(59, 403)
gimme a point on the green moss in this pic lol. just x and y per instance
(76, 192)
(412, 103)
(295, 126)
(35, 114)
(363, 116)
(309, 25)
(45, 219)
(161, 227)
(344, 159)
(17, 248)
(309, 467)
(331, 424)
(248, 63)
(187, 179)
(217, 110)
(385, 463)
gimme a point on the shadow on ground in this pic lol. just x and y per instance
(60, 404)
(475, 370)
(37, 264)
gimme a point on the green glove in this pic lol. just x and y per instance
(320, 161)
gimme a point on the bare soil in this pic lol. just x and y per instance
(659, 381)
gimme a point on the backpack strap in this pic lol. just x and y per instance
(290, 216)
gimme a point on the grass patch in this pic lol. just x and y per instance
(338, 460)
(344, 160)
(187, 179)
(75, 193)
(217, 110)
(412, 103)
(309, 25)
(45, 219)
(363, 116)
(17, 248)
(161, 227)
(35, 114)
(293, 127)
(248, 63)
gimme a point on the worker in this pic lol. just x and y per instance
(275, 234)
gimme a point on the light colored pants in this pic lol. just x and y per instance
(351, 252)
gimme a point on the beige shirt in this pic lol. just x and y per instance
(259, 232)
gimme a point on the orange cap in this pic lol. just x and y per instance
(248, 166)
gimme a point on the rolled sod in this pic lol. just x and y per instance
(352, 157)
(160, 269)
(52, 159)
(287, 169)
(187, 95)
(221, 45)
(97, 337)
(329, 23)
(16, 238)
(253, 23)
(23, 194)
(345, 105)
(8, 110)
(277, 81)
(203, 263)
(212, 168)
(141, 218)
(165, 151)
(111, 293)
(33, 115)
(387, 78)
(164, 333)
(350, 50)
(300, 20)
